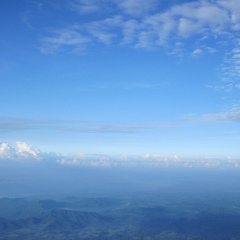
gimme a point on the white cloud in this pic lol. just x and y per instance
(203, 14)
(63, 39)
(230, 70)
(233, 8)
(130, 7)
(232, 114)
(130, 30)
(6, 151)
(93, 160)
(200, 19)
(149, 160)
(197, 52)
(27, 151)
(84, 6)
(102, 29)
(150, 27)
(22, 151)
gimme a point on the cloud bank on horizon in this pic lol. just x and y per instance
(25, 152)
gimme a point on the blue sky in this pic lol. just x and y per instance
(126, 78)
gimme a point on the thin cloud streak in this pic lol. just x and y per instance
(9, 124)
(75, 126)
(233, 115)
(18, 124)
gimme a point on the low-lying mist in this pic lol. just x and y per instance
(18, 179)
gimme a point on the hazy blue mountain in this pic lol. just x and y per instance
(173, 204)
(142, 215)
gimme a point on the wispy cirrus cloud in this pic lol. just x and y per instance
(230, 70)
(68, 39)
(137, 7)
(194, 28)
(129, 7)
(146, 24)
(104, 30)
(84, 6)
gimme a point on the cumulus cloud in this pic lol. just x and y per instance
(7, 151)
(22, 151)
(27, 151)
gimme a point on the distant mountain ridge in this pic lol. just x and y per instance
(159, 217)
